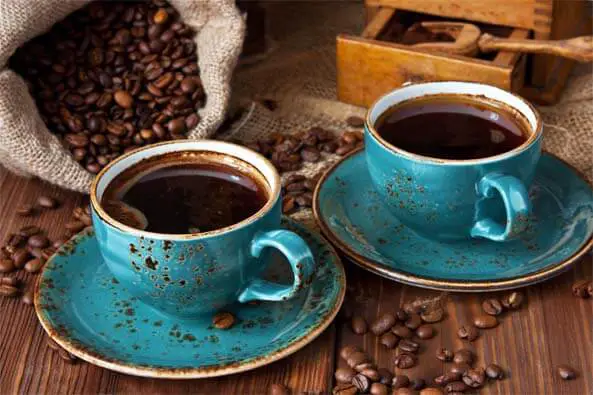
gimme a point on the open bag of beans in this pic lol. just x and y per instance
(81, 83)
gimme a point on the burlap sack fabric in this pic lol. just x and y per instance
(28, 148)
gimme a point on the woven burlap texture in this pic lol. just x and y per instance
(299, 73)
(28, 148)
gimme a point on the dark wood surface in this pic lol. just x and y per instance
(552, 328)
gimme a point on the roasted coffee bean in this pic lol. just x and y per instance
(444, 354)
(413, 321)
(47, 202)
(474, 378)
(425, 332)
(28, 297)
(34, 265)
(386, 376)
(403, 391)
(494, 371)
(455, 386)
(379, 389)
(363, 366)
(223, 320)
(566, 372)
(344, 374)
(74, 226)
(310, 154)
(590, 288)
(25, 210)
(579, 288)
(359, 325)
(446, 378)
(492, 306)
(371, 373)
(432, 315)
(8, 290)
(400, 381)
(459, 368)
(402, 331)
(354, 121)
(431, 391)
(405, 360)
(417, 384)
(389, 340)
(383, 323)
(288, 204)
(36, 252)
(38, 240)
(361, 382)
(6, 265)
(462, 356)
(278, 389)
(401, 315)
(485, 321)
(513, 301)
(344, 149)
(123, 99)
(20, 257)
(12, 281)
(408, 345)
(345, 389)
(305, 199)
(468, 332)
(356, 359)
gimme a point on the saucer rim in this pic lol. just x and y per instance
(191, 373)
(442, 284)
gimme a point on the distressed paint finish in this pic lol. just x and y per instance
(352, 214)
(87, 310)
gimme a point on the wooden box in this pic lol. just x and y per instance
(369, 66)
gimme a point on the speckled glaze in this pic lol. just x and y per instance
(191, 274)
(85, 309)
(353, 216)
(455, 199)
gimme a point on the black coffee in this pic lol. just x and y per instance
(448, 127)
(184, 194)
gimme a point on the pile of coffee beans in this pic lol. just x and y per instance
(583, 288)
(114, 76)
(297, 192)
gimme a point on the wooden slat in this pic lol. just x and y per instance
(378, 23)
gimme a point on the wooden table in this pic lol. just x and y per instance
(552, 328)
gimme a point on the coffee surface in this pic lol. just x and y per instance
(448, 127)
(178, 198)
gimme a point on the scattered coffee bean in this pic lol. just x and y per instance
(566, 372)
(417, 384)
(345, 389)
(389, 340)
(34, 265)
(379, 389)
(399, 381)
(402, 331)
(9, 281)
(223, 320)
(371, 373)
(444, 354)
(579, 288)
(432, 315)
(8, 290)
(361, 382)
(20, 257)
(455, 386)
(28, 297)
(413, 321)
(356, 359)
(29, 230)
(346, 351)
(425, 332)
(344, 374)
(359, 325)
(408, 345)
(355, 122)
(383, 324)
(6, 265)
(38, 240)
(468, 332)
(446, 378)
(405, 360)
(47, 202)
(25, 210)
(462, 356)
(492, 306)
(474, 378)
(403, 391)
(494, 371)
(459, 368)
(590, 289)
(364, 366)
(386, 376)
(485, 321)
(74, 226)
(278, 389)
(514, 300)
(401, 315)
(431, 391)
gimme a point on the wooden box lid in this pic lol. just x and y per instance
(528, 14)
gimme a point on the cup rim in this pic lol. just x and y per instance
(536, 130)
(270, 175)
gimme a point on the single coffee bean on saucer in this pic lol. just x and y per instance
(223, 320)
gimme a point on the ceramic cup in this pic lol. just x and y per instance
(455, 199)
(190, 274)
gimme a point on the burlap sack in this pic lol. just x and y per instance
(28, 148)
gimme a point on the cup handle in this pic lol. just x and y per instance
(299, 257)
(516, 202)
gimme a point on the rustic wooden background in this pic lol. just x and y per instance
(552, 328)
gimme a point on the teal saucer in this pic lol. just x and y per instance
(352, 216)
(84, 309)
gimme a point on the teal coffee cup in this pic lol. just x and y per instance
(195, 273)
(449, 199)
